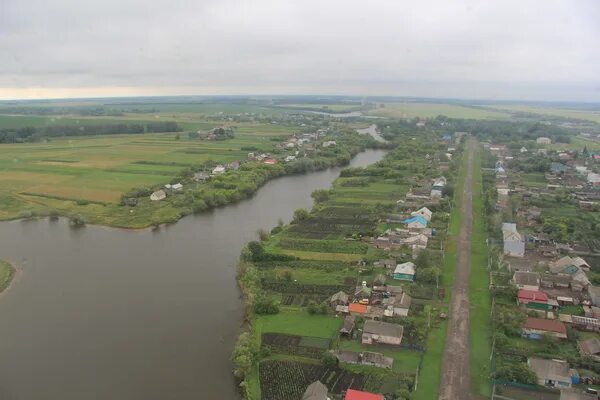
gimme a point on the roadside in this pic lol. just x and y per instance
(455, 382)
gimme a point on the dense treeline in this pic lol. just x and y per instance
(31, 134)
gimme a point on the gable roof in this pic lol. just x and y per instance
(556, 370)
(406, 268)
(547, 325)
(509, 232)
(533, 295)
(424, 211)
(315, 391)
(383, 328)
(526, 278)
(590, 346)
(357, 308)
(339, 296)
(417, 218)
(352, 394)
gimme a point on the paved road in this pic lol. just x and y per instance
(455, 382)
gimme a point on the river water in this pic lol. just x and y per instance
(102, 313)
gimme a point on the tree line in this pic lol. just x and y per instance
(33, 134)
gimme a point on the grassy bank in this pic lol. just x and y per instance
(479, 293)
(7, 272)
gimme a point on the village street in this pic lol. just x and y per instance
(455, 382)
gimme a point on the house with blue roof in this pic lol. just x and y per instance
(416, 221)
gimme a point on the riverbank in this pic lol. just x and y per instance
(7, 273)
(289, 276)
(138, 211)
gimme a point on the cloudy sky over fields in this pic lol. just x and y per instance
(511, 49)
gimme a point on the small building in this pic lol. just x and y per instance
(219, 169)
(590, 348)
(382, 332)
(423, 212)
(270, 161)
(340, 298)
(514, 242)
(177, 187)
(315, 391)
(543, 140)
(348, 325)
(290, 159)
(397, 306)
(158, 195)
(527, 280)
(565, 262)
(416, 222)
(329, 143)
(405, 271)
(357, 309)
(352, 394)
(201, 176)
(551, 373)
(536, 328)
(533, 299)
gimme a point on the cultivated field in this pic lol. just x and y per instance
(101, 168)
(432, 110)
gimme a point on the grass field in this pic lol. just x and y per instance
(552, 111)
(431, 110)
(479, 293)
(101, 168)
(6, 274)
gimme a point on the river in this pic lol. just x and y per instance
(103, 313)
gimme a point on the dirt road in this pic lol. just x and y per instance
(455, 382)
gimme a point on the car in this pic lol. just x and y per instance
(364, 302)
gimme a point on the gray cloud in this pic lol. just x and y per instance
(521, 49)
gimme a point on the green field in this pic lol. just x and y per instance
(101, 168)
(432, 110)
(588, 115)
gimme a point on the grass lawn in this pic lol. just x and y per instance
(297, 322)
(479, 294)
(431, 370)
(7, 272)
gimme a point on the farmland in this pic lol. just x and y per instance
(326, 250)
(432, 110)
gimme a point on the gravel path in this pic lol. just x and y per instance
(455, 382)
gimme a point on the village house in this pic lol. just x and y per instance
(423, 212)
(405, 271)
(348, 325)
(219, 169)
(566, 266)
(356, 309)
(543, 140)
(536, 328)
(339, 298)
(329, 143)
(158, 195)
(534, 299)
(397, 306)
(415, 222)
(365, 358)
(514, 243)
(315, 391)
(201, 176)
(551, 373)
(590, 348)
(382, 332)
(568, 261)
(437, 188)
(270, 161)
(289, 159)
(526, 280)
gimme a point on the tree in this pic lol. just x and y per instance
(428, 275)
(300, 215)
(320, 195)
(423, 259)
(262, 234)
(265, 306)
(329, 360)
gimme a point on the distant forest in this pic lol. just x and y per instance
(31, 134)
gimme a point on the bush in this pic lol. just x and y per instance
(329, 360)
(300, 214)
(265, 306)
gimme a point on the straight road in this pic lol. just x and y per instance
(455, 382)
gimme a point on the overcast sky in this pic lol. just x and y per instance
(511, 49)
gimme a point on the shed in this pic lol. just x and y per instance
(158, 195)
(382, 332)
(551, 373)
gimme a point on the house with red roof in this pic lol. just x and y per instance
(536, 328)
(352, 394)
(270, 161)
(534, 299)
(357, 309)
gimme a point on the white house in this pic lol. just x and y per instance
(405, 271)
(158, 195)
(219, 169)
(424, 212)
(290, 158)
(523, 149)
(543, 140)
(552, 373)
(329, 143)
(514, 243)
